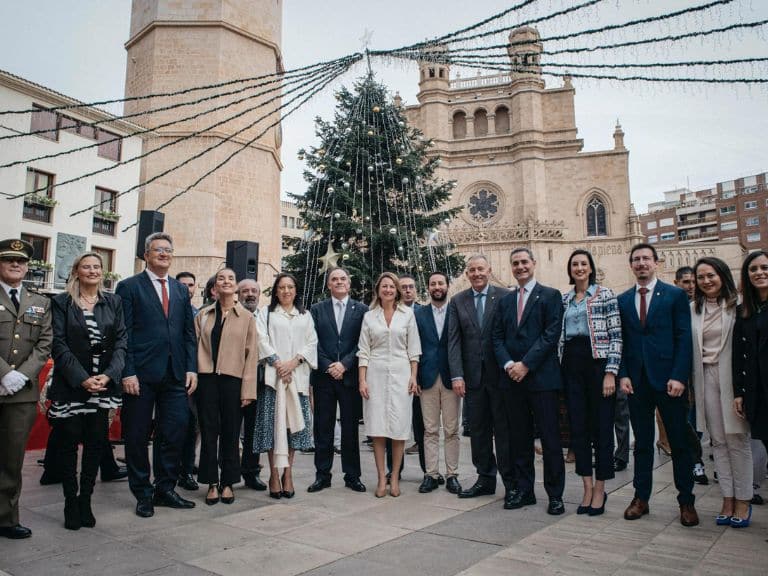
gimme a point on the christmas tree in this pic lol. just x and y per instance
(373, 202)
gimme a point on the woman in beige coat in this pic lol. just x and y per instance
(713, 314)
(227, 360)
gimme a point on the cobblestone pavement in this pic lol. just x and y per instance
(338, 531)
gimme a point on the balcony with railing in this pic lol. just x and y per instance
(480, 81)
(698, 236)
(688, 222)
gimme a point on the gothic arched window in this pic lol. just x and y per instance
(502, 120)
(596, 218)
(481, 123)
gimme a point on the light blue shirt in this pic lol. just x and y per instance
(576, 315)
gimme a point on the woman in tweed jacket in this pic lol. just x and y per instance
(590, 353)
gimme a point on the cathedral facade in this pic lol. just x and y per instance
(511, 145)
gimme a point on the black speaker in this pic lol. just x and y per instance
(150, 221)
(243, 258)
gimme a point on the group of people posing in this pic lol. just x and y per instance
(245, 373)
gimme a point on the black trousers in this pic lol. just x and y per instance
(480, 403)
(218, 408)
(92, 430)
(542, 408)
(503, 412)
(590, 413)
(327, 393)
(642, 406)
(167, 400)
(52, 460)
(190, 442)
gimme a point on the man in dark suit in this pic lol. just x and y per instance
(654, 372)
(525, 335)
(160, 372)
(474, 372)
(437, 396)
(25, 345)
(337, 321)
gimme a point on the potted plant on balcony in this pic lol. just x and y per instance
(110, 279)
(40, 200)
(40, 265)
(107, 215)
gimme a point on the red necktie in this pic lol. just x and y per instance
(643, 305)
(165, 296)
(520, 298)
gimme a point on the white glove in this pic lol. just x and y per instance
(4, 391)
(14, 381)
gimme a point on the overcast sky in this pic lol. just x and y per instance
(678, 135)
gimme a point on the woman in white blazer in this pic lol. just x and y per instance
(713, 314)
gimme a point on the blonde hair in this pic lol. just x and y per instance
(398, 296)
(73, 282)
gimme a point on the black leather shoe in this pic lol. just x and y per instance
(478, 489)
(48, 479)
(355, 485)
(515, 499)
(120, 473)
(428, 484)
(254, 483)
(145, 508)
(187, 482)
(440, 479)
(452, 485)
(171, 499)
(319, 484)
(619, 465)
(15, 532)
(556, 507)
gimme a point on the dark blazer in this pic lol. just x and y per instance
(152, 337)
(470, 348)
(434, 350)
(664, 347)
(750, 359)
(534, 341)
(334, 347)
(71, 353)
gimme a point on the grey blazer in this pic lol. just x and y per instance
(470, 348)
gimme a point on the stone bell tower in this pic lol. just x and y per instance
(179, 45)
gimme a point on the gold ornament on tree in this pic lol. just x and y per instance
(328, 260)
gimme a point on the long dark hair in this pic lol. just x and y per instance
(750, 299)
(592, 275)
(728, 291)
(275, 301)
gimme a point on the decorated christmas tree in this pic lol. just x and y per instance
(373, 203)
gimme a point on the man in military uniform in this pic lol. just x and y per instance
(25, 345)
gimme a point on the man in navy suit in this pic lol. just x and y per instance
(654, 372)
(526, 331)
(437, 395)
(160, 372)
(337, 321)
(474, 372)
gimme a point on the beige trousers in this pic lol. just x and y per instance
(436, 401)
(732, 452)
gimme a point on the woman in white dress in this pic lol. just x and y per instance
(389, 351)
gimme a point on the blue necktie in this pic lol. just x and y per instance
(480, 307)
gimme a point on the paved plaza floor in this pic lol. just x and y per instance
(340, 532)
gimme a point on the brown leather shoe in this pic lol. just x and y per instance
(636, 509)
(688, 516)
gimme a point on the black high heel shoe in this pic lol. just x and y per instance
(227, 499)
(276, 495)
(286, 493)
(211, 501)
(599, 511)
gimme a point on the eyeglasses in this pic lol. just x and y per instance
(161, 250)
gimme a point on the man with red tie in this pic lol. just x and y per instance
(654, 372)
(160, 371)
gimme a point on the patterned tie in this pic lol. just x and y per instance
(643, 305)
(520, 305)
(14, 300)
(480, 307)
(165, 295)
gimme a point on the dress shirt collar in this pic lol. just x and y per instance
(484, 291)
(344, 300)
(651, 285)
(439, 309)
(292, 312)
(154, 277)
(528, 286)
(8, 289)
